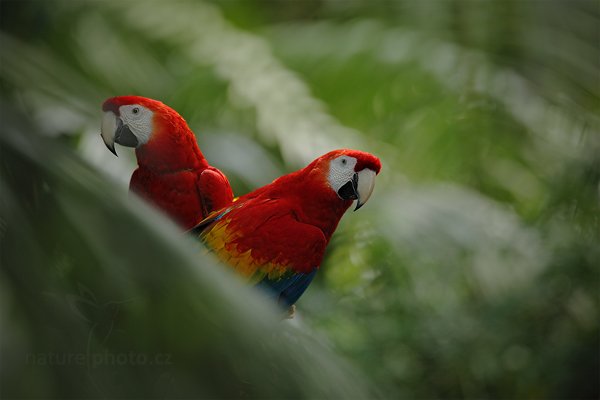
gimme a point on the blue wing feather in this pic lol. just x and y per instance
(287, 289)
(206, 222)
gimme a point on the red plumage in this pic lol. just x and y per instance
(276, 236)
(172, 172)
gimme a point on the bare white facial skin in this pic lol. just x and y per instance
(139, 121)
(341, 171)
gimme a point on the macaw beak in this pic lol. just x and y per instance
(108, 130)
(359, 188)
(364, 188)
(114, 131)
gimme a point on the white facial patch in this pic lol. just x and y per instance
(341, 171)
(139, 120)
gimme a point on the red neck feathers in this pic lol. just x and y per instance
(320, 205)
(172, 146)
(310, 196)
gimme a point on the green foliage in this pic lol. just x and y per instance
(107, 299)
(472, 271)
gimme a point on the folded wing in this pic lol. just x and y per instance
(265, 243)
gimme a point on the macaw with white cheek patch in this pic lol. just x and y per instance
(172, 172)
(276, 236)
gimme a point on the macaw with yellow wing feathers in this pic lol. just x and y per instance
(172, 172)
(276, 236)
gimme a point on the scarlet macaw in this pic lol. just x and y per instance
(172, 172)
(276, 236)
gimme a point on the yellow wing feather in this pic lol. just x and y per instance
(217, 239)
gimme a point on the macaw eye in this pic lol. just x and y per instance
(135, 110)
(344, 161)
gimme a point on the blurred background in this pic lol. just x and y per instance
(473, 271)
